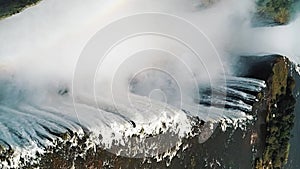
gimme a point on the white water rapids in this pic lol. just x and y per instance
(40, 49)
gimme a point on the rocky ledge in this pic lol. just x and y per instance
(275, 111)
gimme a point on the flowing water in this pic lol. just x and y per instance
(41, 46)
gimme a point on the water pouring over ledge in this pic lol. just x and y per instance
(27, 122)
(63, 90)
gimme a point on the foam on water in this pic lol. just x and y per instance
(28, 122)
(37, 103)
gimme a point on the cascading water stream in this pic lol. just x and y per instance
(25, 122)
(38, 103)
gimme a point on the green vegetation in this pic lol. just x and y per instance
(280, 118)
(279, 78)
(279, 11)
(10, 7)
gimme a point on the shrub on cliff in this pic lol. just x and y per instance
(277, 10)
(8, 8)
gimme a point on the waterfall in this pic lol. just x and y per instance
(25, 121)
(37, 99)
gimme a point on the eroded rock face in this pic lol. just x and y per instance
(275, 111)
(280, 116)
